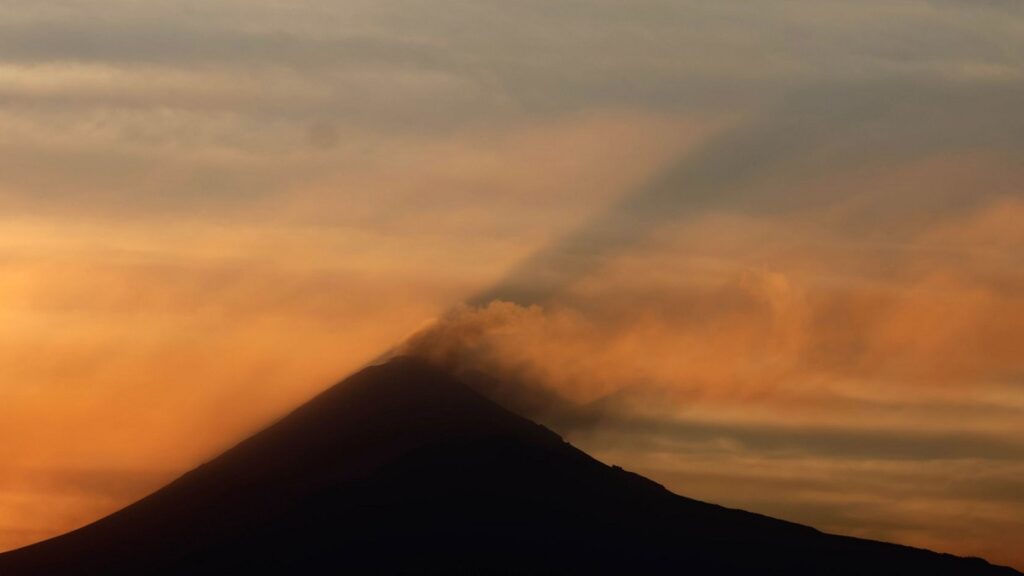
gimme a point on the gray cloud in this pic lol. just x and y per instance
(250, 78)
(647, 434)
(759, 166)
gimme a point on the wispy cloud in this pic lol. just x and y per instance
(781, 241)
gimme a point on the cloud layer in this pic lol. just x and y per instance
(778, 245)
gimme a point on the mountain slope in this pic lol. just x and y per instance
(401, 468)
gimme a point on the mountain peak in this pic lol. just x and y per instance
(404, 398)
(401, 468)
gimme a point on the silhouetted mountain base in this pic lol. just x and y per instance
(402, 469)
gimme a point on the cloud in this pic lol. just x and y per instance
(730, 225)
(763, 164)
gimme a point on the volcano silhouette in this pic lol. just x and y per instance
(403, 469)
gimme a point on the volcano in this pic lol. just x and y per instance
(402, 468)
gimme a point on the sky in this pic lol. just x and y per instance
(781, 239)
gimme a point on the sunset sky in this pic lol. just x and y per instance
(786, 238)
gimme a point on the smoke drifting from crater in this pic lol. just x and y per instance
(779, 344)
